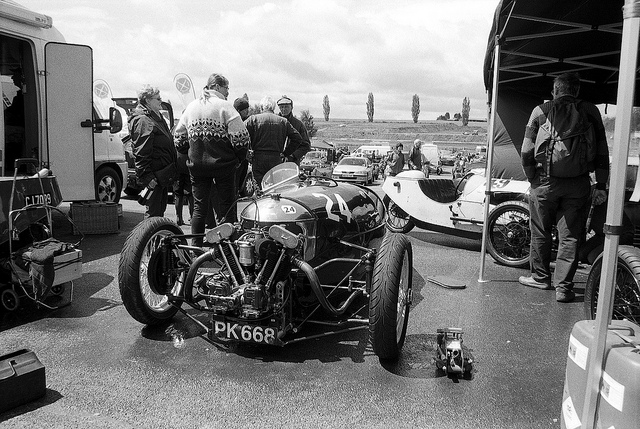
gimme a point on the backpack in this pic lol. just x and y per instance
(566, 144)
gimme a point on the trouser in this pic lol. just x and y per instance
(263, 162)
(157, 203)
(562, 202)
(201, 189)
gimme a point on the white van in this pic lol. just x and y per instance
(49, 114)
(430, 153)
(377, 151)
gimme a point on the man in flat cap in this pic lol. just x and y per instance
(242, 106)
(273, 139)
(285, 104)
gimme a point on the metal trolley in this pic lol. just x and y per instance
(33, 264)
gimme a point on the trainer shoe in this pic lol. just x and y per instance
(565, 296)
(531, 282)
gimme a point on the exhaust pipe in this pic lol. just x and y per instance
(317, 289)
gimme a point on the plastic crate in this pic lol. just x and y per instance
(95, 218)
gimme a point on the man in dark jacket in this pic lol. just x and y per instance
(153, 149)
(269, 133)
(396, 160)
(285, 104)
(557, 199)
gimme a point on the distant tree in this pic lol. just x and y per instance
(255, 109)
(307, 120)
(447, 116)
(457, 117)
(326, 108)
(370, 107)
(415, 108)
(466, 108)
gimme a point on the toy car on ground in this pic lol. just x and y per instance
(450, 356)
(306, 251)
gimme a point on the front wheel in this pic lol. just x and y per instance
(509, 234)
(390, 298)
(626, 301)
(398, 220)
(108, 185)
(140, 270)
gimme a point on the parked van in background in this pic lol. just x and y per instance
(49, 114)
(376, 151)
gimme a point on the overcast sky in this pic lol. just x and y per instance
(305, 49)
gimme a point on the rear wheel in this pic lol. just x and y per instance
(509, 234)
(108, 185)
(390, 298)
(140, 272)
(626, 301)
(397, 219)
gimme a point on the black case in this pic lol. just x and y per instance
(22, 379)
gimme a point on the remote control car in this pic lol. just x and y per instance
(449, 353)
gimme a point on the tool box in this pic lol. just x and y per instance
(22, 379)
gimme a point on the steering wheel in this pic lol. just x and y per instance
(462, 181)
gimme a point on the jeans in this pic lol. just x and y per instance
(157, 203)
(562, 202)
(201, 189)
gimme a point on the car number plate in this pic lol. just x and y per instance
(347, 175)
(241, 332)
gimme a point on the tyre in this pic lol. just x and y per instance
(9, 299)
(108, 185)
(397, 219)
(58, 290)
(390, 298)
(139, 261)
(509, 234)
(626, 301)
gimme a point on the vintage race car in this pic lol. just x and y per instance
(306, 251)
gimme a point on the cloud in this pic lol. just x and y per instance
(343, 49)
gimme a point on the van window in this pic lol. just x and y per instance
(18, 124)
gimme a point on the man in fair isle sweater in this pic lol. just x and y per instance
(216, 140)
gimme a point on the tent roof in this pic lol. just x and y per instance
(321, 144)
(544, 38)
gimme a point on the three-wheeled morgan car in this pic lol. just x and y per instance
(305, 251)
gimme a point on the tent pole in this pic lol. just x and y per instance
(489, 167)
(615, 205)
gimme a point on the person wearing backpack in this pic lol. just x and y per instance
(564, 142)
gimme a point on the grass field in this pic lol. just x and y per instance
(354, 133)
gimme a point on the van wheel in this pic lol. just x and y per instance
(108, 185)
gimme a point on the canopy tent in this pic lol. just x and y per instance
(538, 41)
(531, 43)
(321, 144)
